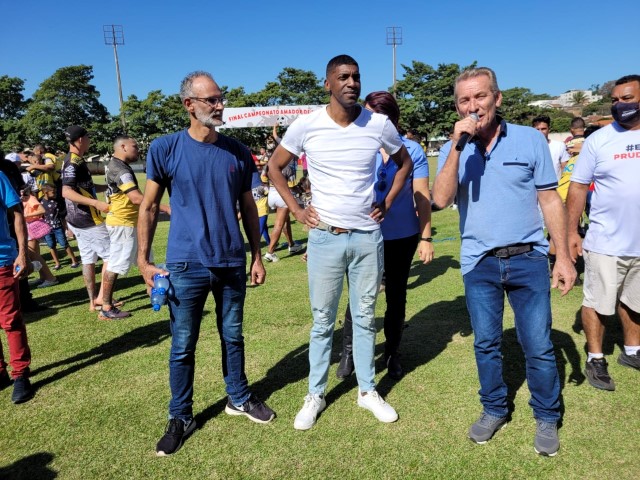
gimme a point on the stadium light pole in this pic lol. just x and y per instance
(394, 38)
(114, 35)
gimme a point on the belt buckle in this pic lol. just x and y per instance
(502, 252)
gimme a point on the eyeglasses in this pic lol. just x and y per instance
(381, 184)
(212, 101)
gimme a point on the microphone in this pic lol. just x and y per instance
(465, 137)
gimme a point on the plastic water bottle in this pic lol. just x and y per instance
(158, 299)
(159, 292)
(35, 265)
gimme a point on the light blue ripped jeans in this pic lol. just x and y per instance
(360, 255)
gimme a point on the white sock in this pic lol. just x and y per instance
(631, 349)
(594, 355)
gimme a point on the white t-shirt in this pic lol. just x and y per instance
(611, 158)
(341, 162)
(559, 155)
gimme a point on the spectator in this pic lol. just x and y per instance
(56, 236)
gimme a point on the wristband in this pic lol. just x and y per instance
(426, 239)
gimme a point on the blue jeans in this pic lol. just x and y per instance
(525, 279)
(191, 284)
(58, 236)
(360, 254)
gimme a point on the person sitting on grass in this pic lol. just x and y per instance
(57, 235)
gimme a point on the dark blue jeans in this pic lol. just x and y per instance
(192, 283)
(525, 280)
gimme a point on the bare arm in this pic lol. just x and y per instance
(422, 197)
(251, 226)
(564, 273)
(147, 222)
(75, 197)
(576, 199)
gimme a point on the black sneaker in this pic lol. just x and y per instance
(632, 361)
(481, 431)
(113, 314)
(394, 367)
(177, 431)
(255, 409)
(22, 390)
(345, 367)
(5, 381)
(546, 441)
(597, 373)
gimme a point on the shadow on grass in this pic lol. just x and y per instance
(426, 273)
(33, 467)
(514, 368)
(427, 335)
(145, 336)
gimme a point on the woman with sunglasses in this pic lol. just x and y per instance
(406, 226)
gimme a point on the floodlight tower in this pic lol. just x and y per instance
(114, 35)
(394, 37)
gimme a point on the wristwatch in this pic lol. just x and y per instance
(426, 239)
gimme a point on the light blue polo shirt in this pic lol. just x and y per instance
(401, 221)
(497, 193)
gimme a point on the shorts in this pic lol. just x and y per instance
(93, 242)
(56, 237)
(275, 200)
(607, 278)
(123, 251)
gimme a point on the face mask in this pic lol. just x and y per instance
(626, 114)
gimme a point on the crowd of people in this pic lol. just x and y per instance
(366, 202)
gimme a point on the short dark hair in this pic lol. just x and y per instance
(383, 102)
(577, 122)
(340, 60)
(541, 119)
(120, 138)
(628, 79)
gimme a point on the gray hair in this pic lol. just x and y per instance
(476, 72)
(187, 83)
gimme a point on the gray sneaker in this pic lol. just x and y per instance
(632, 361)
(546, 441)
(481, 431)
(597, 373)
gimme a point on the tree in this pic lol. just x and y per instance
(66, 98)
(12, 106)
(425, 97)
(515, 106)
(579, 98)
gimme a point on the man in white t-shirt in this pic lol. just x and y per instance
(610, 158)
(341, 142)
(559, 153)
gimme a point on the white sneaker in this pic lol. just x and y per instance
(295, 248)
(271, 257)
(373, 402)
(306, 417)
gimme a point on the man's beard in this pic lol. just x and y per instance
(208, 120)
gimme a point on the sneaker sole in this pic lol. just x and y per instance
(237, 413)
(188, 431)
(600, 386)
(545, 454)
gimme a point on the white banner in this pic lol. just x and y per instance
(246, 117)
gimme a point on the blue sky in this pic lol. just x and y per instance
(549, 47)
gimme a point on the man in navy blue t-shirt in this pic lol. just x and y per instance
(206, 175)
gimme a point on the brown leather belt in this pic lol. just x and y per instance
(511, 250)
(331, 229)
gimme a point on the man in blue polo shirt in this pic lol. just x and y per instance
(499, 179)
(206, 174)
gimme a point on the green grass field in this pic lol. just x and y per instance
(102, 395)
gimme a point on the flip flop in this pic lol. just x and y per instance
(114, 303)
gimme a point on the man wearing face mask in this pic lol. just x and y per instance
(611, 159)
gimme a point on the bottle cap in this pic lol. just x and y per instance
(156, 308)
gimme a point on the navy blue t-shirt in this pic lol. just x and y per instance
(205, 181)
